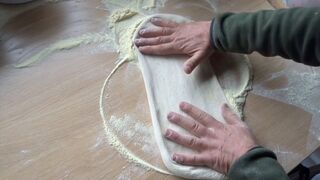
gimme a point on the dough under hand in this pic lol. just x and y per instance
(167, 85)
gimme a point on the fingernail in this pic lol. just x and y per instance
(142, 31)
(137, 41)
(183, 105)
(170, 116)
(174, 157)
(154, 19)
(168, 133)
(177, 158)
(187, 69)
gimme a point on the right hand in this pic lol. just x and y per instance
(217, 145)
(192, 39)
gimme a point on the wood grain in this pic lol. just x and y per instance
(50, 126)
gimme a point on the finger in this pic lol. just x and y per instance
(193, 62)
(229, 116)
(161, 49)
(188, 124)
(152, 41)
(153, 32)
(186, 141)
(163, 22)
(189, 159)
(202, 117)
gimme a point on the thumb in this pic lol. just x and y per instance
(229, 116)
(193, 62)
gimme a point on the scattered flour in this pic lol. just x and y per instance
(125, 17)
(123, 23)
(113, 138)
(64, 45)
(142, 134)
(121, 15)
(129, 171)
(302, 91)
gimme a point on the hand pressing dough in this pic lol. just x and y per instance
(167, 85)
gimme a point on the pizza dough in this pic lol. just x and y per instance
(167, 85)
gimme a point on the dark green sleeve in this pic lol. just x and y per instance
(257, 164)
(290, 33)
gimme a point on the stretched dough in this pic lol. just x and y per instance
(166, 86)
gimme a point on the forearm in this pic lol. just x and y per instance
(258, 163)
(290, 33)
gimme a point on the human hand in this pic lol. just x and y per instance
(168, 37)
(218, 145)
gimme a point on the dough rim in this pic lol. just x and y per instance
(179, 170)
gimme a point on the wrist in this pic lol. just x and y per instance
(241, 153)
(211, 34)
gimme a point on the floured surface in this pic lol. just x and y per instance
(167, 85)
(124, 22)
(50, 124)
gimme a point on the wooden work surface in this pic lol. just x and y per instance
(50, 126)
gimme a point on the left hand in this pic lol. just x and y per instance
(218, 144)
(168, 37)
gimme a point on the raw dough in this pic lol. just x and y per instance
(167, 85)
(233, 72)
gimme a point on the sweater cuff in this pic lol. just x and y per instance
(256, 164)
(212, 43)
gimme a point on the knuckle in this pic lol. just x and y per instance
(192, 142)
(174, 38)
(211, 132)
(157, 39)
(202, 144)
(160, 40)
(195, 127)
(201, 115)
(165, 30)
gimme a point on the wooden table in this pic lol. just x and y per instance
(50, 126)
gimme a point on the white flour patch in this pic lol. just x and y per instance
(112, 138)
(66, 44)
(99, 141)
(302, 91)
(129, 171)
(141, 133)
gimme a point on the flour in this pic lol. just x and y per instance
(141, 6)
(120, 15)
(136, 130)
(236, 95)
(66, 44)
(129, 171)
(302, 91)
(126, 16)
(112, 138)
(124, 23)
